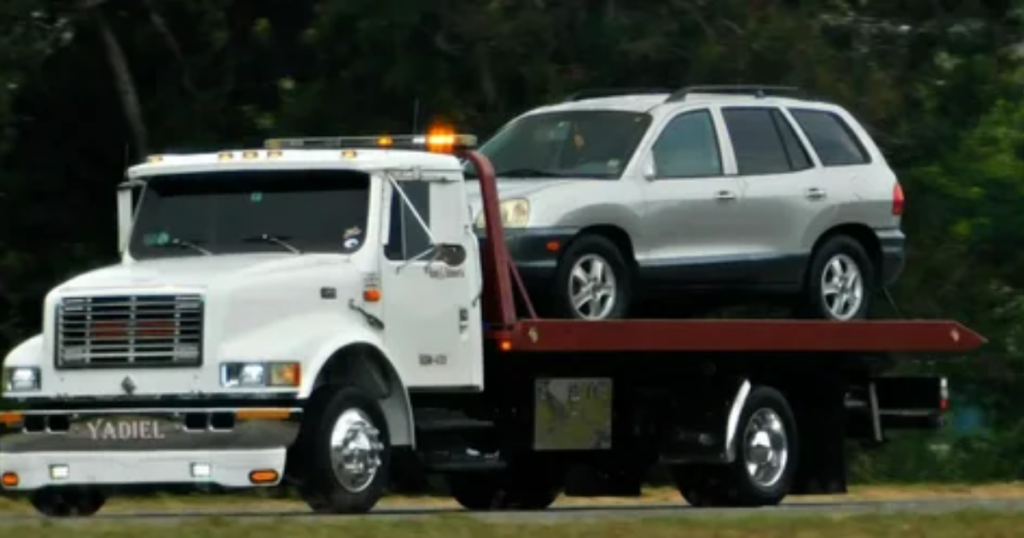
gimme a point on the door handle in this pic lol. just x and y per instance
(814, 193)
(725, 196)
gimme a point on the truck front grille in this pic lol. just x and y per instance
(130, 331)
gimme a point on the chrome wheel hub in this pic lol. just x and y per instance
(592, 287)
(766, 448)
(842, 287)
(355, 450)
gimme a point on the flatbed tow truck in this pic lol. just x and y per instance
(333, 371)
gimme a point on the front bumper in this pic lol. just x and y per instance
(228, 448)
(535, 251)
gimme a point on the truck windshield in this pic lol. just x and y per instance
(575, 144)
(288, 211)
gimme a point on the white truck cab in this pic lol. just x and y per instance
(247, 280)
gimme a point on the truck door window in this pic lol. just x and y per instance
(407, 238)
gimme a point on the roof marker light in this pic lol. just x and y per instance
(434, 141)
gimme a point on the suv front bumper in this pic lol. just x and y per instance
(222, 447)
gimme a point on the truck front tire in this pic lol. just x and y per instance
(518, 487)
(347, 453)
(767, 451)
(68, 502)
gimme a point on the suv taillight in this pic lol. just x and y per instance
(897, 199)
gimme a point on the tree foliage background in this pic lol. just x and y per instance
(89, 86)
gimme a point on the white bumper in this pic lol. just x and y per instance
(226, 468)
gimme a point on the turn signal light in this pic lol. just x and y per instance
(263, 476)
(10, 480)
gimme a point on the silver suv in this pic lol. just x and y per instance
(609, 198)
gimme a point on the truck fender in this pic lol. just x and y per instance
(27, 353)
(359, 359)
(732, 423)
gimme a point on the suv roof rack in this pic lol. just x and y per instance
(756, 90)
(594, 93)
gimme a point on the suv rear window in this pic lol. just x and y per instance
(756, 141)
(832, 138)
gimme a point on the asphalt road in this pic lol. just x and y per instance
(554, 515)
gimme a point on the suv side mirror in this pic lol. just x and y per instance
(650, 170)
(125, 212)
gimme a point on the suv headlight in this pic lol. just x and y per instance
(21, 379)
(515, 213)
(260, 374)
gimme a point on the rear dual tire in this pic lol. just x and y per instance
(767, 453)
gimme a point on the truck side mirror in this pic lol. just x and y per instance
(125, 212)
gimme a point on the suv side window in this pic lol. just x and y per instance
(756, 141)
(798, 158)
(833, 140)
(688, 147)
(406, 237)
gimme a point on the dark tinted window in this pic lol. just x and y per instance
(580, 143)
(798, 159)
(756, 141)
(831, 137)
(224, 212)
(406, 237)
(688, 147)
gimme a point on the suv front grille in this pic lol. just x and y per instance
(130, 331)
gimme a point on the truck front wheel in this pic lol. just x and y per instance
(514, 488)
(67, 502)
(767, 448)
(348, 454)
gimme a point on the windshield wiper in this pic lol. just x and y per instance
(527, 172)
(179, 243)
(267, 238)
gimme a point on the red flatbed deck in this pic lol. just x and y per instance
(639, 335)
(740, 335)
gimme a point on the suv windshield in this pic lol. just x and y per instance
(578, 144)
(288, 211)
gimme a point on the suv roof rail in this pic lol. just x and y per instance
(594, 93)
(756, 90)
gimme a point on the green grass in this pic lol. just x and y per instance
(952, 525)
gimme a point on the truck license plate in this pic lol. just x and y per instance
(572, 414)
(122, 429)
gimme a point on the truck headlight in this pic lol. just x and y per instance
(21, 379)
(260, 374)
(515, 213)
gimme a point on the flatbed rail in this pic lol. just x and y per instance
(763, 335)
(501, 280)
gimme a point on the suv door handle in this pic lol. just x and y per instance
(814, 193)
(725, 196)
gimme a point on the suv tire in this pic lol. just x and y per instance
(594, 270)
(840, 271)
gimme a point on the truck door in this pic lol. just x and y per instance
(430, 284)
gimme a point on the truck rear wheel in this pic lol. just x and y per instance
(348, 455)
(767, 448)
(68, 502)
